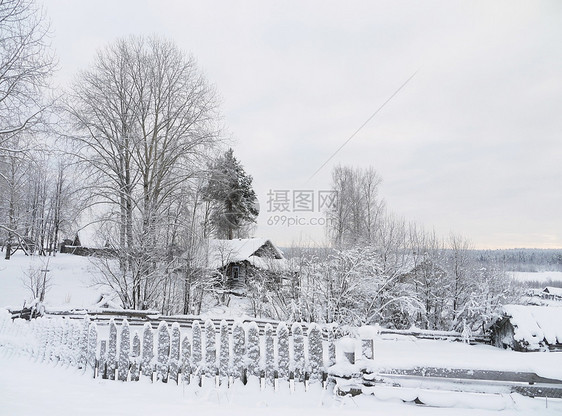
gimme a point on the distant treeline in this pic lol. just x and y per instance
(523, 260)
(514, 259)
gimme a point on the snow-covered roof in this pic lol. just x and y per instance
(534, 324)
(259, 252)
(557, 291)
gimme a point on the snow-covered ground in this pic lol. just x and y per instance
(71, 280)
(400, 352)
(29, 388)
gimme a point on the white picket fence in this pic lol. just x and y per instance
(201, 354)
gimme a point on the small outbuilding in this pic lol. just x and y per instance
(528, 328)
(552, 293)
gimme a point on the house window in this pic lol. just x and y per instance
(235, 272)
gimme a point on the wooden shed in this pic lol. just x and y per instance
(528, 328)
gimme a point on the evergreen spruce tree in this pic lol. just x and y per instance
(147, 351)
(112, 350)
(196, 352)
(230, 188)
(269, 354)
(283, 351)
(298, 351)
(315, 356)
(253, 349)
(163, 352)
(185, 359)
(224, 349)
(210, 348)
(238, 349)
(135, 357)
(175, 352)
(124, 351)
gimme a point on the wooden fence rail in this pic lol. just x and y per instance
(205, 353)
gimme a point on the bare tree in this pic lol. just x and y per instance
(145, 119)
(25, 66)
(359, 211)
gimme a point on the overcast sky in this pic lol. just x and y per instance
(471, 145)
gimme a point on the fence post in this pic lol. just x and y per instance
(163, 352)
(210, 348)
(83, 344)
(92, 347)
(102, 367)
(283, 351)
(315, 357)
(331, 348)
(253, 350)
(124, 352)
(147, 351)
(269, 355)
(196, 353)
(186, 360)
(135, 357)
(238, 350)
(224, 352)
(112, 350)
(175, 352)
(298, 352)
(65, 342)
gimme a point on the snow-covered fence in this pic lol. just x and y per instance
(198, 355)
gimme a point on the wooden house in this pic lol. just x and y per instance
(241, 259)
